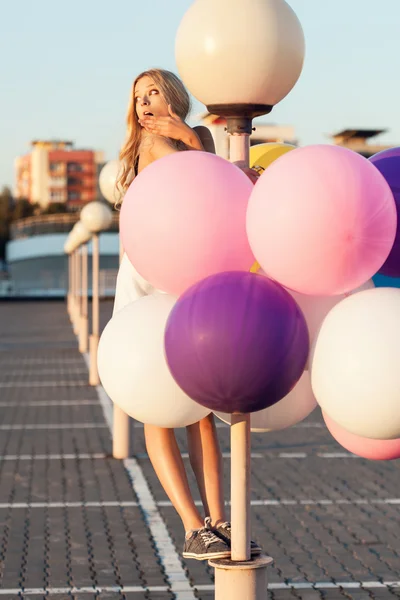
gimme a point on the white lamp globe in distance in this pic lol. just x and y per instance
(81, 232)
(73, 240)
(68, 246)
(240, 51)
(108, 179)
(96, 216)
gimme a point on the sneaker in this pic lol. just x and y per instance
(204, 544)
(225, 532)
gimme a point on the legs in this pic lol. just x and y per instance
(206, 461)
(166, 459)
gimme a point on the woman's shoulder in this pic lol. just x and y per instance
(153, 147)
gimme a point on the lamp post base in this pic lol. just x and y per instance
(93, 372)
(245, 580)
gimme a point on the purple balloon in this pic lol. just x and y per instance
(236, 342)
(388, 163)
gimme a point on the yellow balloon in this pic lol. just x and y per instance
(262, 155)
(255, 268)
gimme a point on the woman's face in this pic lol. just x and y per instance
(149, 99)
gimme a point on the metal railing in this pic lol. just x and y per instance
(57, 223)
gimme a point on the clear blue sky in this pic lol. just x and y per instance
(66, 69)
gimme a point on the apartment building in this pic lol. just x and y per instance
(56, 171)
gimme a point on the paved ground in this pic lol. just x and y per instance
(74, 523)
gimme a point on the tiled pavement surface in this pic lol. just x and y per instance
(325, 519)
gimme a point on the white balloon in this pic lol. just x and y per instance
(240, 51)
(107, 181)
(315, 308)
(355, 370)
(133, 369)
(292, 409)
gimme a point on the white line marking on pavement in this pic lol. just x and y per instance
(111, 503)
(168, 504)
(57, 371)
(169, 558)
(38, 403)
(336, 455)
(327, 585)
(145, 456)
(324, 501)
(292, 455)
(54, 426)
(52, 456)
(319, 585)
(35, 384)
(309, 425)
(39, 361)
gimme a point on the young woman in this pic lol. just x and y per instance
(156, 126)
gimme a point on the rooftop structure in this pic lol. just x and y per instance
(358, 140)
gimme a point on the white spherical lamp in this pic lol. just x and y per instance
(73, 240)
(96, 216)
(108, 180)
(81, 232)
(240, 52)
(68, 246)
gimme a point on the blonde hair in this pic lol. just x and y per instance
(175, 94)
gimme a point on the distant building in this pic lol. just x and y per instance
(357, 140)
(263, 133)
(54, 171)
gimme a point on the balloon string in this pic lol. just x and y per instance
(255, 268)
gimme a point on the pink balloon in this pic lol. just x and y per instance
(321, 221)
(365, 447)
(184, 218)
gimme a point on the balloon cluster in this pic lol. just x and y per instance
(319, 223)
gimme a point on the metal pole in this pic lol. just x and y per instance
(239, 153)
(240, 487)
(71, 314)
(84, 328)
(121, 421)
(239, 149)
(77, 292)
(240, 577)
(94, 338)
(69, 284)
(121, 433)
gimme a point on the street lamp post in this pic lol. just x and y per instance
(95, 216)
(121, 421)
(82, 236)
(77, 271)
(84, 329)
(68, 252)
(240, 63)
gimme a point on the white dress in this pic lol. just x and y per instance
(130, 285)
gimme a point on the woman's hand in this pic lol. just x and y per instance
(252, 174)
(170, 127)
